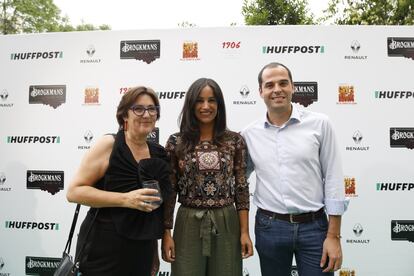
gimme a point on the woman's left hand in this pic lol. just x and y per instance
(246, 245)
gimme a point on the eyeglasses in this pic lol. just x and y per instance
(139, 110)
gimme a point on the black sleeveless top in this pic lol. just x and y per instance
(125, 174)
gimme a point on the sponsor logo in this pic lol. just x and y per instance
(2, 182)
(358, 230)
(33, 139)
(144, 50)
(244, 93)
(53, 95)
(245, 272)
(41, 265)
(154, 135)
(357, 138)
(402, 230)
(347, 272)
(346, 94)
(164, 95)
(402, 137)
(31, 225)
(91, 96)
(394, 94)
(4, 94)
(36, 55)
(231, 44)
(293, 49)
(350, 187)
(306, 93)
(87, 137)
(2, 264)
(123, 90)
(50, 181)
(394, 186)
(401, 47)
(163, 273)
(190, 50)
(355, 47)
(90, 51)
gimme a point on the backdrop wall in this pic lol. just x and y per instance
(59, 92)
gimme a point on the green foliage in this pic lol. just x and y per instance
(372, 12)
(37, 16)
(276, 12)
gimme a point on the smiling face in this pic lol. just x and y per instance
(144, 124)
(205, 108)
(277, 89)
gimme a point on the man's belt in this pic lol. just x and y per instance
(295, 218)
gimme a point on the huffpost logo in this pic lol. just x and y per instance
(31, 225)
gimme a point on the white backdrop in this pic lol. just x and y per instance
(62, 90)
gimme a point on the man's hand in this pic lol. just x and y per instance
(331, 254)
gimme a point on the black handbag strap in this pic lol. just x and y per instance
(72, 230)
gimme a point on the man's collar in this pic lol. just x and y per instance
(295, 116)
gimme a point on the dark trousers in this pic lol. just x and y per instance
(278, 240)
(108, 254)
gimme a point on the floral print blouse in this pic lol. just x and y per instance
(210, 176)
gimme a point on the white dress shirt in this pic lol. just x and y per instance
(298, 167)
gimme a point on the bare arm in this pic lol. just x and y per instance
(246, 243)
(92, 168)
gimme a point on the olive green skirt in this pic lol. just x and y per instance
(207, 242)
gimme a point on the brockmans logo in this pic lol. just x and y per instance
(402, 138)
(402, 230)
(53, 95)
(401, 47)
(306, 93)
(50, 181)
(33, 139)
(36, 55)
(41, 265)
(293, 49)
(145, 50)
(154, 135)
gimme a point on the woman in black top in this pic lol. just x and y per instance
(123, 236)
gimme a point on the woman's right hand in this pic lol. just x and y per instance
(140, 199)
(168, 247)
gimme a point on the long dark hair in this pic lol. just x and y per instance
(189, 125)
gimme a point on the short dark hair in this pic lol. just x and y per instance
(129, 98)
(189, 125)
(273, 65)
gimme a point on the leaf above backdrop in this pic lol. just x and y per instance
(37, 16)
(370, 12)
(276, 12)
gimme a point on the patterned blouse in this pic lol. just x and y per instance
(211, 176)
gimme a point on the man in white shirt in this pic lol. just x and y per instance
(299, 182)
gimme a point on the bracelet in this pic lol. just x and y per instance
(333, 235)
